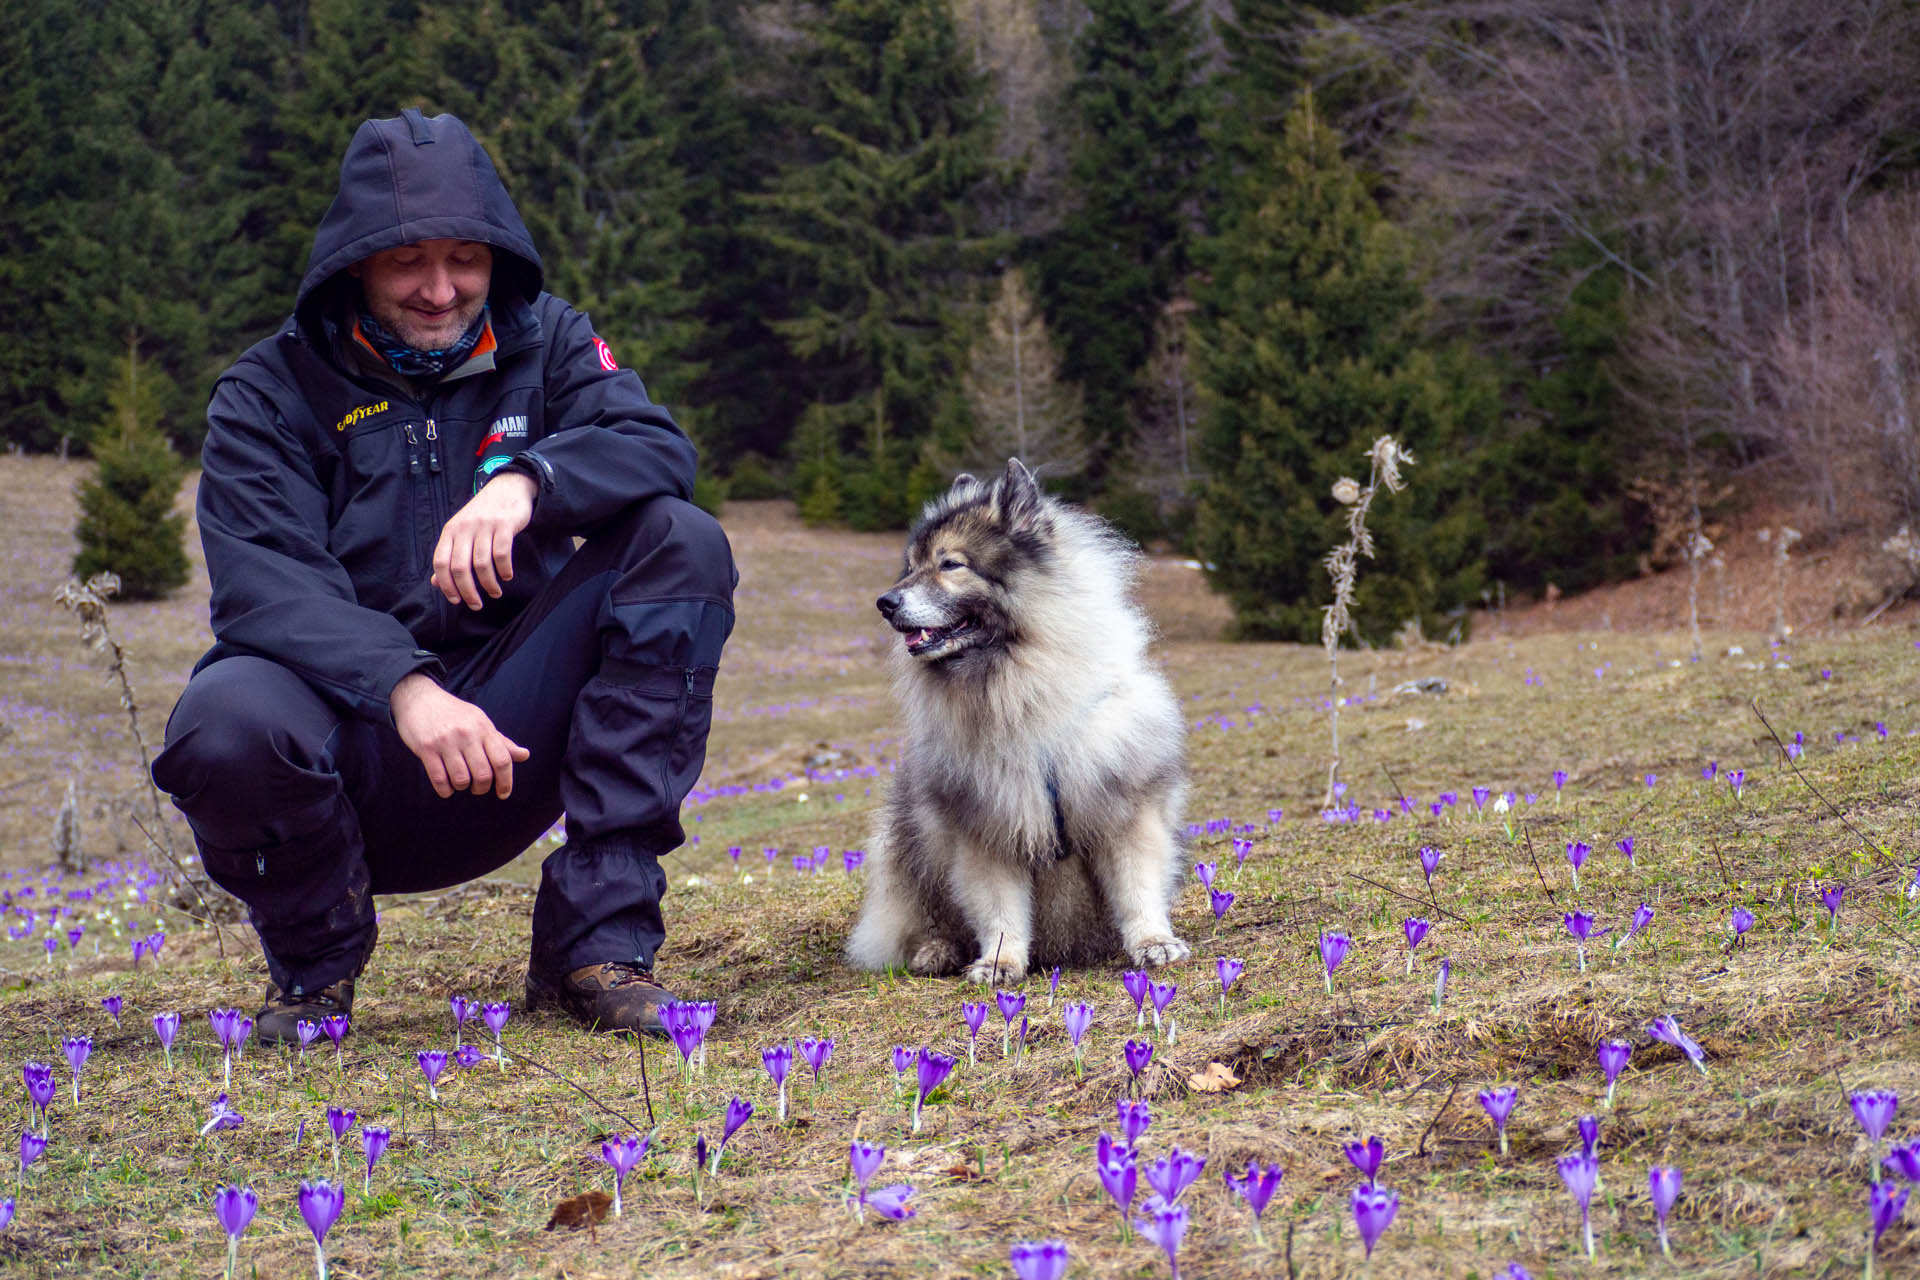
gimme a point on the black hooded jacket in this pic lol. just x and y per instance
(326, 477)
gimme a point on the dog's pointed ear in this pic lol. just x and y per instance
(1018, 499)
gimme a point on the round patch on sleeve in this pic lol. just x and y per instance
(607, 361)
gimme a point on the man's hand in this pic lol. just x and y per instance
(475, 551)
(454, 739)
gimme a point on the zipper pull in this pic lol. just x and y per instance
(689, 682)
(413, 454)
(260, 863)
(433, 447)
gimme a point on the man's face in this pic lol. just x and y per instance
(427, 292)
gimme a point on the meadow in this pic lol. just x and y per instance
(1803, 1009)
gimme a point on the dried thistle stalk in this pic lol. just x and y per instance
(1343, 564)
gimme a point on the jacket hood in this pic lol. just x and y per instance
(410, 178)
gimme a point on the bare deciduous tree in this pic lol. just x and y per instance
(1021, 409)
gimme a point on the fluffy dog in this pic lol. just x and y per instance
(1034, 818)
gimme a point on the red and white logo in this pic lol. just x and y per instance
(607, 361)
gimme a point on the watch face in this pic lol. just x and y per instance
(487, 467)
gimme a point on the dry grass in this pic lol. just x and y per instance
(1775, 1166)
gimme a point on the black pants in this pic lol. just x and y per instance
(304, 813)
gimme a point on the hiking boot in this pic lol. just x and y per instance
(279, 1019)
(615, 996)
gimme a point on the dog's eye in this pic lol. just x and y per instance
(950, 564)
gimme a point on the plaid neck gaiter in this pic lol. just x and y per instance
(412, 362)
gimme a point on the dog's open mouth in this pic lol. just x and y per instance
(939, 642)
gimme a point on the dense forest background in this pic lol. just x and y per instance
(1597, 263)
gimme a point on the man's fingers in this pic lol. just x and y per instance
(503, 554)
(437, 775)
(501, 759)
(484, 562)
(462, 563)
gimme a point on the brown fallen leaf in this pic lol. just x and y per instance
(584, 1210)
(1215, 1077)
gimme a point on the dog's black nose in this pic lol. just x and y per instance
(888, 605)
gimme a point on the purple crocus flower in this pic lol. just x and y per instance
(1415, 928)
(1119, 1172)
(154, 942)
(320, 1205)
(623, 1154)
(1499, 1102)
(932, 1069)
(373, 1144)
(223, 1117)
(1581, 1173)
(1709, 769)
(1078, 1015)
(1736, 779)
(432, 1063)
(1136, 982)
(816, 1053)
(1885, 1202)
(112, 1004)
(778, 1060)
(339, 1120)
(6, 1213)
(1577, 851)
(739, 1111)
(1429, 861)
(891, 1202)
(1011, 1004)
(1589, 1129)
(974, 1012)
(1667, 1028)
(863, 1161)
(1135, 1118)
(1559, 783)
(463, 1009)
(1204, 871)
(1580, 925)
(1830, 899)
(1138, 1055)
(1625, 845)
(166, 1026)
(1161, 994)
(1256, 1186)
(1874, 1109)
(1367, 1157)
(1173, 1173)
(1613, 1055)
(1373, 1210)
(1663, 1188)
(902, 1060)
(38, 1077)
(233, 1208)
(495, 1014)
(1480, 795)
(1333, 949)
(1039, 1259)
(1166, 1226)
(336, 1026)
(1741, 921)
(307, 1029)
(1229, 970)
(1642, 917)
(1053, 985)
(77, 1049)
(32, 1147)
(1221, 899)
(1905, 1159)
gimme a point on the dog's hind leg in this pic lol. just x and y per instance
(892, 929)
(1140, 875)
(996, 897)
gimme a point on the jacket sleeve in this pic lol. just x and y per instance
(277, 590)
(607, 445)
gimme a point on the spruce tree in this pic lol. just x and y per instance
(127, 522)
(1138, 102)
(872, 229)
(1309, 342)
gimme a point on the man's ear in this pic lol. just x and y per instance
(1018, 500)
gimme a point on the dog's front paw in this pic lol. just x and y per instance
(989, 972)
(1152, 952)
(933, 957)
